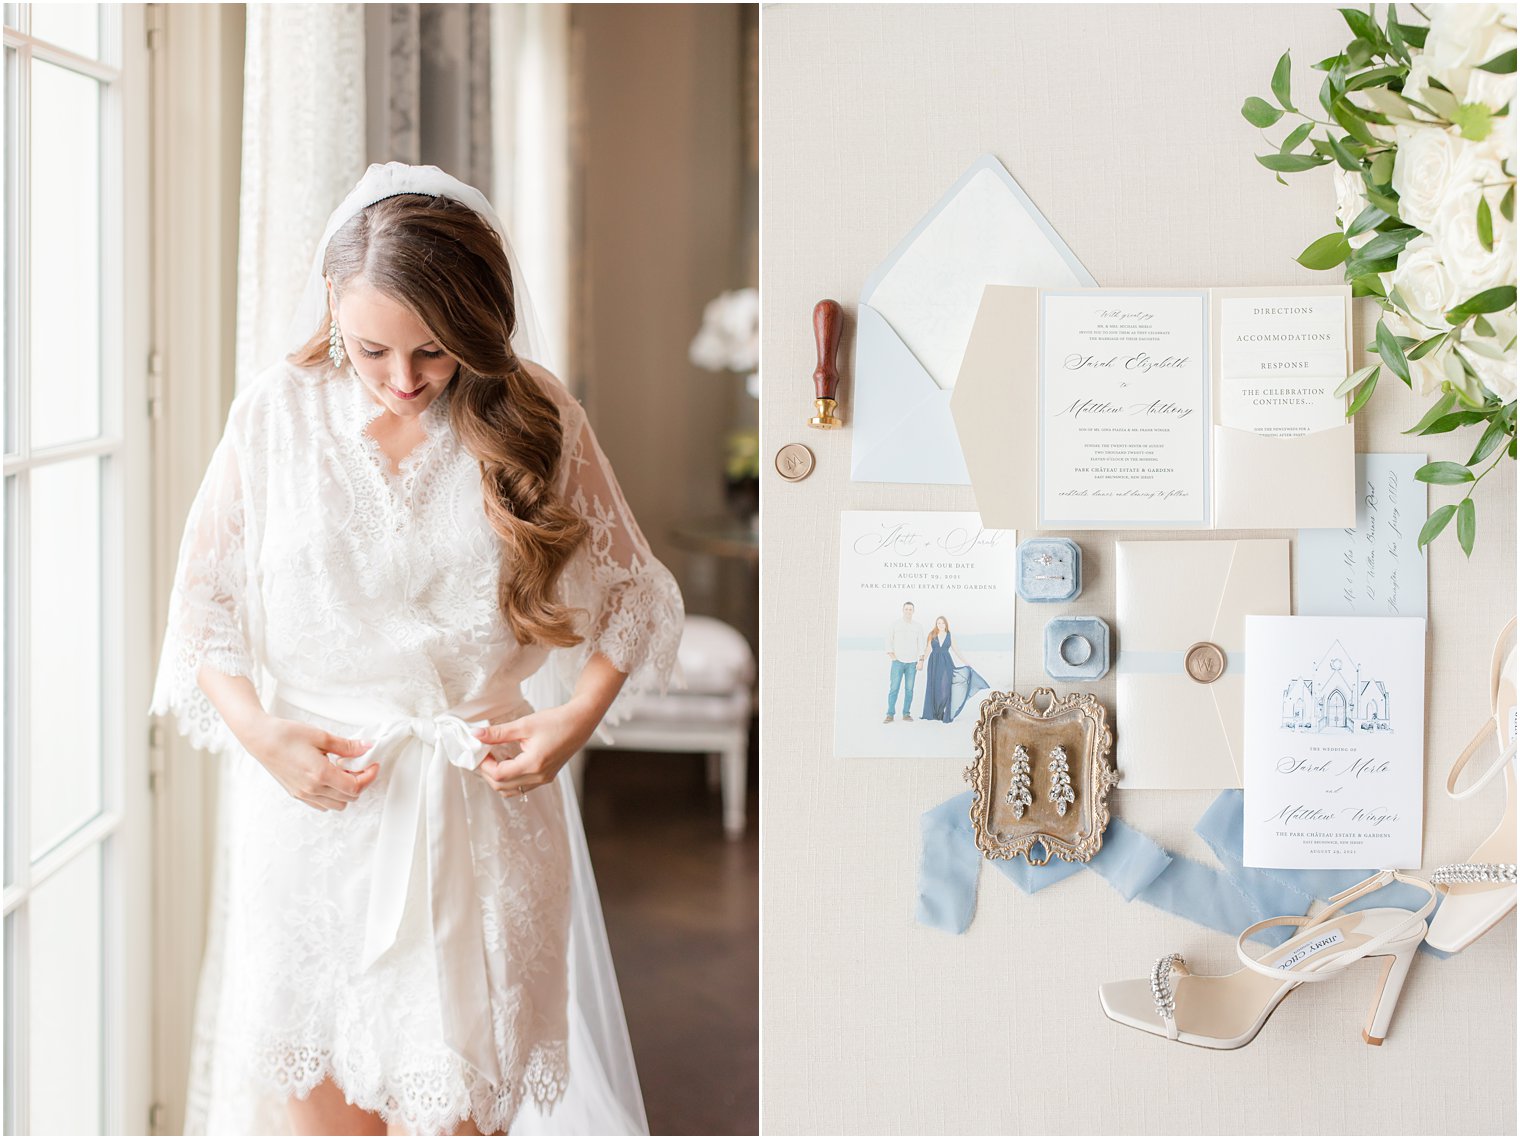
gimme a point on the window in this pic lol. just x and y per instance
(75, 818)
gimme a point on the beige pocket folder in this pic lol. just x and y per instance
(1254, 481)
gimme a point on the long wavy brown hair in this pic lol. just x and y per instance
(445, 263)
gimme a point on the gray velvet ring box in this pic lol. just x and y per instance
(1076, 648)
(1049, 569)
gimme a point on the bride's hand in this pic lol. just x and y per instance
(295, 753)
(545, 740)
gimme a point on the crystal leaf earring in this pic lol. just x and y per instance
(335, 346)
(1018, 788)
(1061, 792)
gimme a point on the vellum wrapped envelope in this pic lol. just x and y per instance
(1182, 609)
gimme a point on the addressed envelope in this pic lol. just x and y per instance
(1175, 731)
(916, 313)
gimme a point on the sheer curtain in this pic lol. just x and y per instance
(304, 120)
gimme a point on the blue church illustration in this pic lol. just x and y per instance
(1335, 697)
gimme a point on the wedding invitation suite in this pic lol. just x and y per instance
(1335, 742)
(925, 630)
(1122, 409)
(1374, 569)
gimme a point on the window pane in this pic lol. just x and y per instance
(65, 1015)
(63, 678)
(64, 290)
(72, 26)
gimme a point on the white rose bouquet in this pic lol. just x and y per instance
(1419, 125)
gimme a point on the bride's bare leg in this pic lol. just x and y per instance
(326, 1112)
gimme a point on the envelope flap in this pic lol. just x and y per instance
(888, 375)
(1256, 584)
(1170, 593)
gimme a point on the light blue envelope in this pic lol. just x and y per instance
(915, 318)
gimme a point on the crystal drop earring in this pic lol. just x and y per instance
(1061, 791)
(1018, 787)
(335, 346)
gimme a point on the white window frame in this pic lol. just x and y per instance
(121, 829)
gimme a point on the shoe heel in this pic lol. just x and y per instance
(1395, 970)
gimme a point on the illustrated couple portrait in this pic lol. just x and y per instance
(949, 681)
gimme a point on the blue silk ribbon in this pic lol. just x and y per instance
(1227, 899)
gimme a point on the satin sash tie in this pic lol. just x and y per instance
(425, 803)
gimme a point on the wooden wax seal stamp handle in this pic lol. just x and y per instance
(828, 323)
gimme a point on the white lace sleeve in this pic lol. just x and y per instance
(633, 606)
(207, 615)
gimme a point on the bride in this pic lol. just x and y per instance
(409, 590)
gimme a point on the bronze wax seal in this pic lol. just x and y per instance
(1204, 662)
(794, 462)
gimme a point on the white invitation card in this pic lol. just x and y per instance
(1281, 359)
(1124, 409)
(1374, 569)
(1335, 742)
(925, 631)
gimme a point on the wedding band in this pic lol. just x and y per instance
(1076, 649)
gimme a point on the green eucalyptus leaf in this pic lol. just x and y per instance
(1507, 204)
(1435, 524)
(1374, 77)
(1259, 112)
(1364, 393)
(1392, 354)
(1355, 379)
(1353, 126)
(1414, 34)
(1295, 137)
(1370, 218)
(1455, 419)
(1326, 252)
(1467, 525)
(1489, 443)
(1482, 328)
(1389, 206)
(1437, 409)
(1441, 101)
(1389, 243)
(1290, 163)
(1381, 170)
(1359, 53)
(1489, 300)
(1361, 25)
(1282, 86)
(1426, 347)
(1501, 64)
(1444, 474)
(1367, 285)
(1347, 156)
(1485, 223)
(1396, 37)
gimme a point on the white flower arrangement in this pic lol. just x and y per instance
(729, 339)
(1420, 126)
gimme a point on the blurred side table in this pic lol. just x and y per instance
(722, 536)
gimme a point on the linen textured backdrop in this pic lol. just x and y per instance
(1123, 125)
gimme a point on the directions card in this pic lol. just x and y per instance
(1335, 742)
(1373, 569)
(925, 630)
(1281, 359)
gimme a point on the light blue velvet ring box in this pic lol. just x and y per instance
(1050, 569)
(1076, 648)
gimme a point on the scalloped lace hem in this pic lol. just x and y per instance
(420, 1101)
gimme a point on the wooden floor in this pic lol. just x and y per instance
(682, 910)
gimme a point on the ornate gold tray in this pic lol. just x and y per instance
(1077, 725)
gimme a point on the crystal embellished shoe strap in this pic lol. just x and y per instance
(1161, 990)
(1465, 873)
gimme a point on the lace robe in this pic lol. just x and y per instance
(352, 595)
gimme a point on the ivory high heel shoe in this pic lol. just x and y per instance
(1481, 890)
(1228, 1011)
